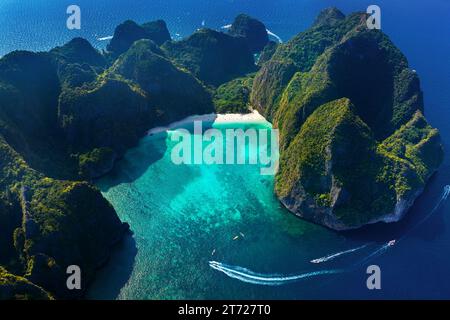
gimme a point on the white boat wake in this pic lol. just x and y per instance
(335, 255)
(246, 275)
(270, 33)
(382, 249)
(446, 192)
(249, 276)
(441, 201)
(373, 254)
(105, 38)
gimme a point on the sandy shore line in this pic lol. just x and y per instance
(253, 117)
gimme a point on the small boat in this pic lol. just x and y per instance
(392, 243)
(213, 252)
(242, 235)
(235, 238)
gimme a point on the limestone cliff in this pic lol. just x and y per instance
(355, 146)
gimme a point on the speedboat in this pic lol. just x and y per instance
(392, 243)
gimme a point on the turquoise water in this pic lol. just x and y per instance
(184, 216)
(181, 214)
(168, 257)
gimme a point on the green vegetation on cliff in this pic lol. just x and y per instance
(13, 287)
(234, 96)
(417, 145)
(157, 31)
(355, 147)
(336, 163)
(97, 162)
(173, 92)
(79, 51)
(253, 31)
(267, 52)
(268, 86)
(78, 62)
(348, 156)
(110, 113)
(129, 32)
(67, 115)
(307, 157)
(67, 222)
(213, 57)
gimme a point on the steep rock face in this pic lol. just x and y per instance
(97, 162)
(213, 57)
(173, 92)
(234, 96)
(65, 231)
(367, 62)
(14, 287)
(124, 36)
(30, 91)
(142, 89)
(330, 140)
(268, 86)
(129, 32)
(347, 158)
(157, 31)
(39, 213)
(76, 75)
(253, 31)
(335, 173)
(267, 52)
(78, 62)
(340, 62)
(328, 16)
(328, 62)
(111, 113)
(9, 221)
(299, 54)
(60, 223)
(78, 50)
(304, 48)
(67, 115)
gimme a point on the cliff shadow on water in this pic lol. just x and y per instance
(150, 149)
(120, 264)
(136, 161)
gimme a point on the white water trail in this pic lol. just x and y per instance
(105, 38)
(385, 247)
(270, 33)
(446, 192)
(444, 197)
(335, 255)
(249, 276)
(371, 256)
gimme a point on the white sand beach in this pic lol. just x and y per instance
(253, 117)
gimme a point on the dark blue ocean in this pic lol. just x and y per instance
(181, 216)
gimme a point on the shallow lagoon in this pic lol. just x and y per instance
(184, 216)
